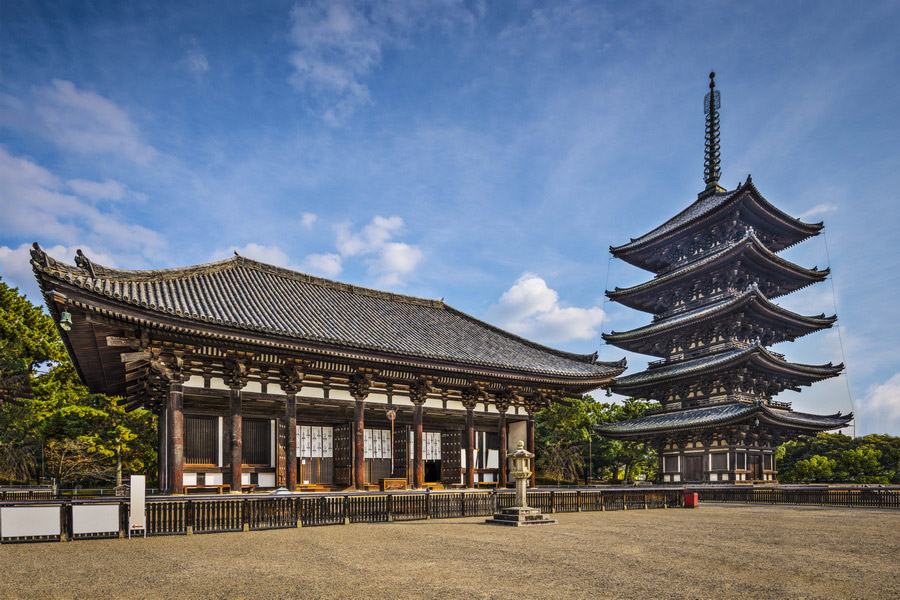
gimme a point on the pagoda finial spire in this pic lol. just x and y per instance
(712, 158)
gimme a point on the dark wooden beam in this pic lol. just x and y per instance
(418, 459)
(236, 454)
(359, 460)
(176, 423)
(501, 430)
(290, 440)
(470, 447)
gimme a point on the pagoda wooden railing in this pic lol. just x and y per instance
(180, 515)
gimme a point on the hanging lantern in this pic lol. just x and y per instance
(65, 320)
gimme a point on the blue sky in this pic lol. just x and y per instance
(487, 153)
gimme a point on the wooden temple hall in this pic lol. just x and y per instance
(716, 270)
(263, 377)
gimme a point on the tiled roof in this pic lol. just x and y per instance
(719, 414)
(705, 205)
(748, 242)
(752, 296)
(696, 210)
(244, 294)
(714, 362)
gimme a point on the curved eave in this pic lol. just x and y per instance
(133, 314)
(639, 250)
(748, 247)
(656, 424)
(641, 338)
(756, 355)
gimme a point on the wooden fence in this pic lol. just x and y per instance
(805, 496)
(183, 516)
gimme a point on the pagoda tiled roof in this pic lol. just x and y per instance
(706, 205)
(245, 295)
(749, 243)
(668, 372)
(718, 415)
(798, 325)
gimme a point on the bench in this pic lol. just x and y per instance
(221, 489)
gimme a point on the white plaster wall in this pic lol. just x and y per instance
(217, 383)
(518, 430)
(492, 409)
(455, 405)
(313, 392)
(194, 381)
(378, 398)
(266, 480)
(215, 479)
(253, 386)
(189, 479)
(402, 401)
(434, 403)
(275, 388)
(340, 394)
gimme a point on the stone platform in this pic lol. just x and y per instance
(519, 516)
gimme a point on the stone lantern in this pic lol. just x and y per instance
(520, 514)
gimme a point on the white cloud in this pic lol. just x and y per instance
(97, 190)
(33, 203)
(87, 122)
(373, 236)
(340, 42)
(390, 261)
(194, 60)
(308, 220)
(879, 411)
(819, 209)
(532, 309)
(325, 265)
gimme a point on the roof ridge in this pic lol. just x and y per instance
(98, 271)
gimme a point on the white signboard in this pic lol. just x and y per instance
(316, 443)
(95, 518)
(27, 521)
(367, 444)
(327, 442)
(137, 508)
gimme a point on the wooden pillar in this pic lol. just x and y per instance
(418, 458)
(176, 420)
(530, 448)
(470, 446)
(162, 441)
(237, 450)
(501, 430)
(290, 441)
(359, 456)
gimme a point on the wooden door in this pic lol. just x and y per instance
(755, 466)
(693, 468)
(451, 461)
(343, 454)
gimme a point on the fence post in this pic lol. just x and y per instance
(189, 518)
(390, 507)
(428, 503)
(346, 509)
(552, 501)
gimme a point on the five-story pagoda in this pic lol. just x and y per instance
(717, 269)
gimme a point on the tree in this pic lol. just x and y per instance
(837, 458)
(59, 427)
(570, 425)
(561, 462)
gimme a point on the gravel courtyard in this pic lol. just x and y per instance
(716, 551)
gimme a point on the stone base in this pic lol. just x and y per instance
(520, 516)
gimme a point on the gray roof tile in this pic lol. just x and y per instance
(246, 294)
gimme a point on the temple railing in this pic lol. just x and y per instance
(804, 496)
(184, 516)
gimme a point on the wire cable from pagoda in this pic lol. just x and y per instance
(840, 337)
(603, 306)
